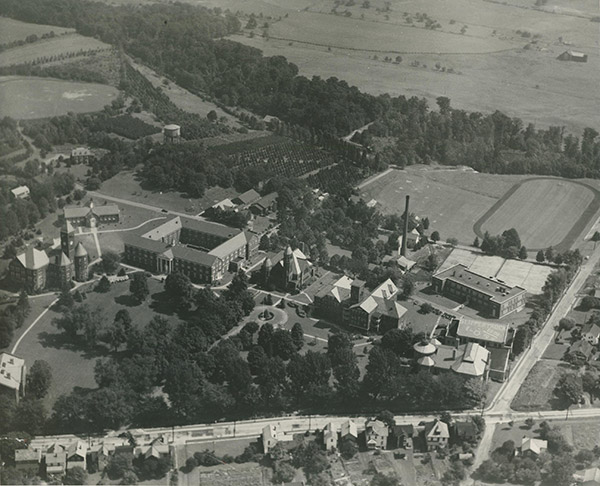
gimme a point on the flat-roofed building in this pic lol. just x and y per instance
(13, 374)
(492, 297)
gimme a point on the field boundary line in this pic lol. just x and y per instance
(389, 51)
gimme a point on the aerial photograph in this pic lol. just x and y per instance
(300, 242)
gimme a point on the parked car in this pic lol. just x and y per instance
(291, 304)
(300, 312)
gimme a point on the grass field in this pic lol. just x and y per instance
(65, 44)
(13, 30)
(126, 185)
(536, 392)
(451, 209)
(516, 81)
(534, 204)
(29, 97)
(72, 364)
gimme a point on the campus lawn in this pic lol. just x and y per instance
(73, 363)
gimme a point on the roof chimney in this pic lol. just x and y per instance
(405, 232)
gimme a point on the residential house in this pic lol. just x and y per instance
(265, 205)
(349, 431)
(580, 351)
(591, 333)
(55, 460)
(246, 199)
(376, 434)
(270, 434)
(13, 373)
(589, 477)
(533, 447)
(401, 436)
(21, 192)
(436, 434)
(465, 430)
(77, 455)
(99, 456)
(28, 461)
(330, 437)
(156, 450)
(82, 155)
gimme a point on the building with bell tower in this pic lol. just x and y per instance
(67, 239)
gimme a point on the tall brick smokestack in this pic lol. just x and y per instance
(405, 232)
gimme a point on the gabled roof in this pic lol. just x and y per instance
(33, 259)
(191, 255)
(229, 246)
(248, 197)
(161, 229)
(77, 448)
(81, 151)
(266, 201)
(591, 328)
(348, 428)
(20, 191)
(473, 361)
(106, 210)
(386, 290)
(75, 212)
(405, 262)
(377, 427)
(209, 227)
(591, 477)
(534, 445)
(437, 428)
(269, 432)
(581, 346)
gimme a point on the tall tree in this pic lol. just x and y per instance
(180, 290)
(39, 379)
(298, 336)
(138, 287)
(265, 338)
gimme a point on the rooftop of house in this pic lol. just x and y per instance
(582, 346)
(266, 201)
(81, 151)
(20, 191)
(11, 371)
(77, 448)
(248, 197)
(437, 428)
(349, 428)
(591, 476)
(28, 455)
(591, 328)
(377, 427)
(496, 290)
(407, 430)
(494, 332)
(533, 445)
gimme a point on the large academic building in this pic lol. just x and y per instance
(202, 250)
(492, 297)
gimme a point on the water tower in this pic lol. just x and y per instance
(172, 133)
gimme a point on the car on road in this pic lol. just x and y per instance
(300, 312)
(292, 304)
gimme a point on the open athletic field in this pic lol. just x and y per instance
(13, 30)
(505, 52)
(29, 97)
(545, 212)
(451, 206)
(462, 204)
